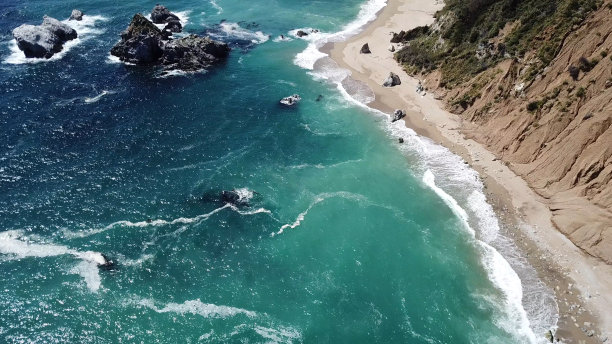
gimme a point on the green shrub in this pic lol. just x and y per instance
(466, 23)
(581, 92)
(533, 106)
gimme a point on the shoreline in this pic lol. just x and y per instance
(582, 284)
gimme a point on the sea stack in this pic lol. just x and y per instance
(143, 43)
(45, 40)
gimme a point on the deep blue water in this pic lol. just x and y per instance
(346, 238)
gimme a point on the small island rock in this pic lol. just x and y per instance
(43, 40)
(76, 15)
(161, 15)
(143, 43)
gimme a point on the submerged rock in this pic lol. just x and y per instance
(143, 43)
(392, 80)
(76, 15)
(161, 15)
(43, 40)
(365, 49)
(235, 198)
(291, 100)
(397, 115)
(108, 264)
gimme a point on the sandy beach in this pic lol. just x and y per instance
(582, 284)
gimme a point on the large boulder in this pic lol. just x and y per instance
(44, 40)
(141, 43)
(193, 53)
(63, 31)
(365, 49)
(161, 15)
(392, 80)
(76, 15)
(397, 115)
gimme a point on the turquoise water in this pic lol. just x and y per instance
(348, 236)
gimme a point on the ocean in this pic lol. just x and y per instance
(348, 236)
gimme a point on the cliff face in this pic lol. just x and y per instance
(552, 125)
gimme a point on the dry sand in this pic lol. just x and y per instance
(580, 281)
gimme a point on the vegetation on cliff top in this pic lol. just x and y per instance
(471, 36)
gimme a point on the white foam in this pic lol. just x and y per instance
(85, 30)
(216, 6)
(244, 194)
(231, 29)
(160, 222)
(318, 199)
(307, 58)
(18, 246)
(282, 39)
(197, 307)
(183, 17)
(498, 269)
(98, 97)
(278, 335)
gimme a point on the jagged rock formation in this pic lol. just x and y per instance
(43, 40)
(145, 44)
(161, 15)
(553, 125)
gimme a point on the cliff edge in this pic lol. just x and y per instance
(533, 82)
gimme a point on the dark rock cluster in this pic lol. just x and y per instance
(143, 43)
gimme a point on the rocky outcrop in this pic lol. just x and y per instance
(145, 44)
(301, 33)
(140, 43)
(234, 198)
(193, 53)
(291, 100)
(365, 49)
(397, 115)
(76, 15)
(392, 80)
(161, 15)
(44, 40)
(174, 26)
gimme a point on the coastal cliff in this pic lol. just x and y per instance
(533, 82)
